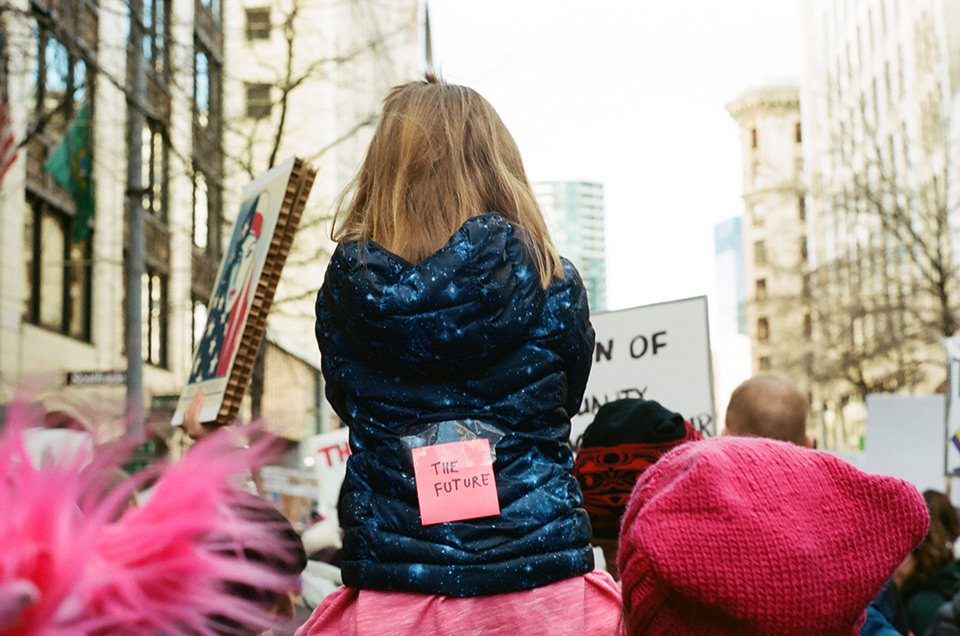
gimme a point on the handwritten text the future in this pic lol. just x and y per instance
(453, 484)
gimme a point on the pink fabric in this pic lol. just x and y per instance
(74, 560)
(749, 537)
(587, 605)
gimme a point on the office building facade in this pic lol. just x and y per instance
(574, 212)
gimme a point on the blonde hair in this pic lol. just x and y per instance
(440, 155)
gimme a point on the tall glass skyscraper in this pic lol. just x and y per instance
(574, 214)
(730, 309)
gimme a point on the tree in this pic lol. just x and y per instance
(290, 78)
(190, 77)
(884, 285)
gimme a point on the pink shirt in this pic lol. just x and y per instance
(586, 605)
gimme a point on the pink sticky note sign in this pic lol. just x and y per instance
(455, 481)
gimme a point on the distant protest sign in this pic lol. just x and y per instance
(657, 352)
(330, 452)
(951, 451)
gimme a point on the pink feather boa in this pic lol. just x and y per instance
(158, 569)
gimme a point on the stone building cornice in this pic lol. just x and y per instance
(777, 96)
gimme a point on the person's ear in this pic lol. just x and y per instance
(809, 442)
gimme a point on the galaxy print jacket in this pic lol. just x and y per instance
(466, 334)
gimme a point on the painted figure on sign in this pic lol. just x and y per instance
(239, 294)
(233, 296)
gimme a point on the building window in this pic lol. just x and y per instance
(258, 23)
(761, 289)
(763, 363)
(802, 208)
(796, 135)
(60, 81)
(763, 330)
(213, 6)
(258, 101)
(154, 307)
(208, 127)
(206, 88)
(58, 271)
(759, 213)
(760, 252)
(198, 320)
(205, 216)
(155, 22)
(201, 219)
(803, 249)
(753, 137)
(201, 86)
(155, 163)
(807, 326)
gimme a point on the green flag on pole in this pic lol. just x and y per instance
(70, 164)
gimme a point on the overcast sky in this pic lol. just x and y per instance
(631, 94)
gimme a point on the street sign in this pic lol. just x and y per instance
(96, 378)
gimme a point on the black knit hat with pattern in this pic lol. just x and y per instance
(626, 437)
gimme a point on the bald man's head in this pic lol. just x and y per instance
(768, 406)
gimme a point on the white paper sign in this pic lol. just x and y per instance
(951, 454)
(657, 352)
(330, 452)
(899, 422)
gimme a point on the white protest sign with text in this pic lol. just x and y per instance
(657, 352)
(330, 452)
(951, 423)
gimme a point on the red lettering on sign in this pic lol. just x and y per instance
(343, 450)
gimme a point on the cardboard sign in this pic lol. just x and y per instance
(656, 352)
(455, 481)
(243, 293)
(330, 452)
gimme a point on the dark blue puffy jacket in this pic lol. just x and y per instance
(467, 334)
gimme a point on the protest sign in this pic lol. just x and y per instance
(277, 480)
(330, 452)
(951, 419)
(237, 312)
(657, 352)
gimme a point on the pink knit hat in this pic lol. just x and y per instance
(748, 536)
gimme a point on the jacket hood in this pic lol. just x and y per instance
(474, 296)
